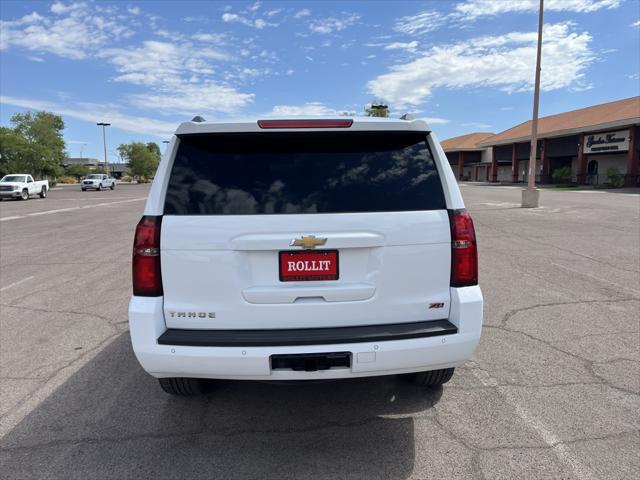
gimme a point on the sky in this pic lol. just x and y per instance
(463, 65)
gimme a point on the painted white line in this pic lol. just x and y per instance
(59, 210)
(16, 283)
(561, 450)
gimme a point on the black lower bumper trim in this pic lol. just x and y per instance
(305, 336)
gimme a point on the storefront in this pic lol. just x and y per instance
(592, 145)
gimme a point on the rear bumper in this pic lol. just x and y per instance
(448, 348)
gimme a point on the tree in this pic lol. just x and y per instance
(377, 109)
(143, 159)
(34, 144)
(77, 170)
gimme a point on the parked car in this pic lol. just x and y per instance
(304, 250)
(22, 186)
(98, 181)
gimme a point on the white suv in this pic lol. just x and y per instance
(304, 250)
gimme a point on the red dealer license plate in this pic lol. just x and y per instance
(309, 265)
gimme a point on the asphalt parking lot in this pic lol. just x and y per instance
(552, 391)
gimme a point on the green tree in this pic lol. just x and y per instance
(143, 159)
(377, 109)
(34, 145)
(77, 170)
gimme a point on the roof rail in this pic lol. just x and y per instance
(198, 119)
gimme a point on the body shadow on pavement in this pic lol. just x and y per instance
(112, 420)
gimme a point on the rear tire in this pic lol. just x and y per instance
(84, 189)
(43, 192)
(99, 189)
(182, 386)
(113, 185)
(24, 195)
(432, 378)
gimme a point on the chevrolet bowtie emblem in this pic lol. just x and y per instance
(308, 241)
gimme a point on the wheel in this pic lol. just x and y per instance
(84, 189)
(432, 378)
(43, 192)
(113, 185)
(99, 187)
(182, 386)
(24, 195)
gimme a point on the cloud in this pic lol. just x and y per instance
(409, 46)
(478, 8)
(636, 24)
(258, 23)
(506, 62)
(73, 32)
(423, 22)
(92, 112)
(178, 75)
(309, 109)
(333, 24)
(470, 10)
(134, 10)
(305, 12)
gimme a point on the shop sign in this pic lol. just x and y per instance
(607, 142)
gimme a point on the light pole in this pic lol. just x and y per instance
(104, 141)
(531, 195)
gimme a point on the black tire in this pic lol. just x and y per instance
(24, 195)
(182, 386)
(113, 185)
(84, 189)
(432, 378)
(99, 189)
(43, 192)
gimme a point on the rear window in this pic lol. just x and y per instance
(312, 172)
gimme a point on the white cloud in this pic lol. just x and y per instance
(434, 120)
(470, 10)
(217, 38)
(305, 12)
(178, 75)
(506, 62)
(92, 112)
(423, 22)
(636, 24)
(477, 8)
(309, 109)
(60, 8)
(409, 46)
(74, 31)
(333, 24)
(134, 10)
(258, 23)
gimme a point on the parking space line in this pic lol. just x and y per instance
(16, 283)
(59, 210)
(560, 449)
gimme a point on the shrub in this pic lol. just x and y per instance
(615, 179)
(561, 175)
(66, 179)
(126, 178)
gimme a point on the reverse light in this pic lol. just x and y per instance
(147, 278)
(464, 251)
(305, 123)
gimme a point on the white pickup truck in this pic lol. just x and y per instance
(22, 186)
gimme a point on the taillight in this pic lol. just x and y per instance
(305, 123)
(464, 252)
(147, 280)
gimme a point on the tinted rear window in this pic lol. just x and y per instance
(287, 173)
